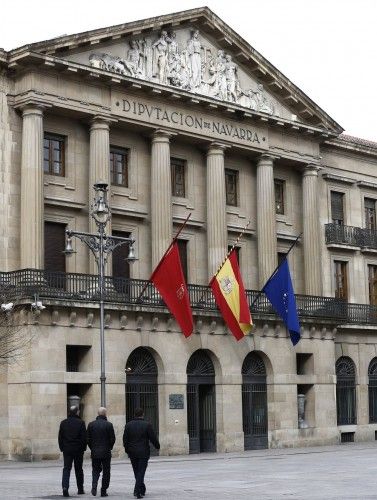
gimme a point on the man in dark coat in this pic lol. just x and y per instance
(72, 442)
(101, 439)
(136, 437)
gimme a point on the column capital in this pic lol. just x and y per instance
(100, 122)
(216, 148)
(311, 169)
(33, 109)
(162, 135)
(267, 157)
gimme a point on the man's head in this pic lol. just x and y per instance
(102, 411)
(139, 413)
(73, 410)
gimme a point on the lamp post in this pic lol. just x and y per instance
(101, 245)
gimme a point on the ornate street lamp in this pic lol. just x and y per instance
(101, 245)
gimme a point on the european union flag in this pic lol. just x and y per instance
(279, 291)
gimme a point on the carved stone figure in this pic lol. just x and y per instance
(259, 101)
(194, 48)
(148, 58)
(231, 78)
(195, 68)
(134, 58)
(160, 58)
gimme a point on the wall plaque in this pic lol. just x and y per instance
(176, 402)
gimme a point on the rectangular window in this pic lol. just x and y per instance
(370, 213)
(182, 247)
(119, 166)
(231, 187)
(337, 212)
(54, 154)
(54, 257)
(279, 196)
(178, 168)
(341, 280)
(121, 267)
(372, 284)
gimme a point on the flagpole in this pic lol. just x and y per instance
(277, 267)
(162, 258)
(223, 262)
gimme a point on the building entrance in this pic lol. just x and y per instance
(142, 387)
(254, 402)
(201, 403)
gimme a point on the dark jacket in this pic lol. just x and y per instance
(72, 435)
(136, 437)
(101, 437)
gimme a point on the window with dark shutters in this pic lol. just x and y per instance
(341, 280)
(121, 268)
(370, 213)
(182, 247)
(54, 247)
(337, 211)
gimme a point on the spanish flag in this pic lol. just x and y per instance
(229, 292)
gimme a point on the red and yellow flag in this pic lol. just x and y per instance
(230, 296)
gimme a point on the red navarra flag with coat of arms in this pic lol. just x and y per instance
(169, 280)
(230, 296)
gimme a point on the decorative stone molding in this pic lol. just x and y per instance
(154, 324)
(123, 322)
(72, 318)
(89, 320)
(194, 67)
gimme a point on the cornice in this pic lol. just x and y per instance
(351, 147)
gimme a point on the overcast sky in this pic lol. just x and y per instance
(328, 48)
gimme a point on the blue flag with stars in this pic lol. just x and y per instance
(279, 291)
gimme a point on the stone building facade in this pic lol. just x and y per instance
(179, 114)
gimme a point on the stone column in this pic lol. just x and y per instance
(311, 237)
(266, 218)
(217, 235)
(99, 170)
(161, 197)
(32, 201)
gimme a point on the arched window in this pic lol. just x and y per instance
(372, 391)
(254, 402)
(345, 391)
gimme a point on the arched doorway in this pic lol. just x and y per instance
(141, 386)
(254, 402)
(201, 403)
(345, 391)
(372, 391)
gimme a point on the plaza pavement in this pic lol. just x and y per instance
(332, 472)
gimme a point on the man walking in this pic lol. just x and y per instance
(101, 439)
(136, 437)
(72, 442)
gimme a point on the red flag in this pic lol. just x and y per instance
(230, 296)
(169, 280)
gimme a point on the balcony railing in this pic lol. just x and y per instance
(349, 235)
(73, 287)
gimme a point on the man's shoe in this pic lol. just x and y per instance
(81, 491)
(139, 495)
(65, 492)
(94, 491)
(103, 493)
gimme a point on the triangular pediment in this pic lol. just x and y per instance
(192, 51)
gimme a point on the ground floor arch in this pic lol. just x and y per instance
(254, 402)
(201, 403)
(141, 386)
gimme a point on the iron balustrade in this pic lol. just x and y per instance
(350, 235)
(25, 284)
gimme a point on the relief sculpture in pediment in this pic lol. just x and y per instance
(192, 66)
